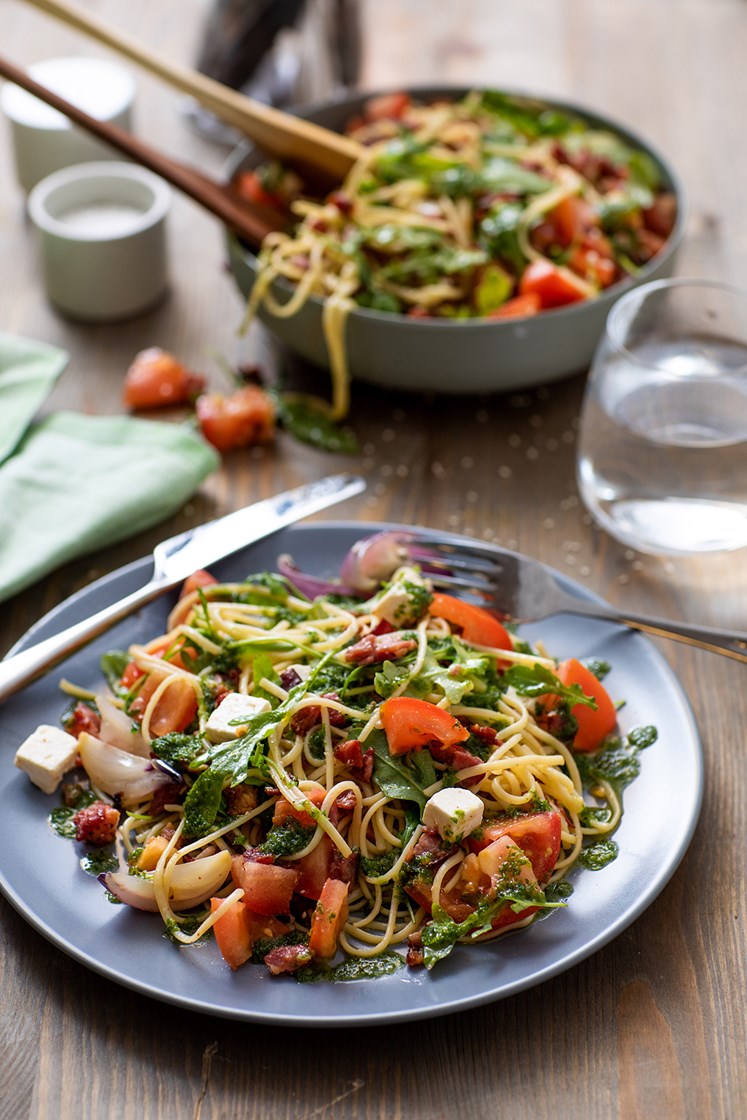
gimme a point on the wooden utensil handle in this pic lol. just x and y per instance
(280, 134)
(249, 220)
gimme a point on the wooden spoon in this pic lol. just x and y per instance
(281, 135)
(249, 220)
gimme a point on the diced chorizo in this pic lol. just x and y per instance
(96, 824)
(240, 799)
(288, 958)
(374, 648)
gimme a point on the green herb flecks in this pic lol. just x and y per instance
(350, 969)
(287, 839)
(598, 855)
(98, 863)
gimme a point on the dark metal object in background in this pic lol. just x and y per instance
(244, 47)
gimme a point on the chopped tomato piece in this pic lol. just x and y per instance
(131, 674)
(554, 285)
(537, 834)
(329, 918)
(518, 307)
(474, 884)
(476, 624)
(82, 718)
(410, 724)
(268, 888)
(387, 107)
(156, 378)
(175, 708)
(198, 579)
(249, 186)
(593, 725)
(245, 417)
(570, 219)
(593, 267)
(314, 869)
(284, 809)
(233, 932)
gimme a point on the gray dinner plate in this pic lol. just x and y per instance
(41, 876)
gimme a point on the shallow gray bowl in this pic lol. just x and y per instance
(455, 356)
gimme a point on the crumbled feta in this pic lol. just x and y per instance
(221, 727)
(404, 600)
(47, 754)
(455, 812)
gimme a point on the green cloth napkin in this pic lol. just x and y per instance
(28, 370)
(78, 483)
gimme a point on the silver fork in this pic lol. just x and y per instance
(524, 590)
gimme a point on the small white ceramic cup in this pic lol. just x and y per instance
(44, 140)
(102, 236)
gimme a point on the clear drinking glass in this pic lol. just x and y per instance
(662, 458)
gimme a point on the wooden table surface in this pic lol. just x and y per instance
(654, 1023)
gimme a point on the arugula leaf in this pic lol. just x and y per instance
(262, 668)
(389, 679)
(113, 665)
(396, 778)
(536, 680)
(499, 234)
(530, 118)
(311, 423)
(506, 175)
(202, 803)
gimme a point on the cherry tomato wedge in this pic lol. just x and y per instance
(410, 724)
(328, 918)
(518, 307)
(593, 725)
(175, 708)
(387, 107)
(198, 579)
(476, 624)
(243, 418)
(537, 834)
(249, 186)
(156, 378)
(555, 286)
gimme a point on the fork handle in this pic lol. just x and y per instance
(20, 669)
(729, 643)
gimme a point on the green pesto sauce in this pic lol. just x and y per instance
(598, 855)
(61, 822)
(98, 863)
(352, 969)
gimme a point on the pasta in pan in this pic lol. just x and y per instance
(487, 207)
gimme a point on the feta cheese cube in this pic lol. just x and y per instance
(454, 812)
(235, 706)
(403, 601)
(47, 754)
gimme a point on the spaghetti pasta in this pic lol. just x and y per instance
(301, 806)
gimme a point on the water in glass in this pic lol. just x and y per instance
(663, 444)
